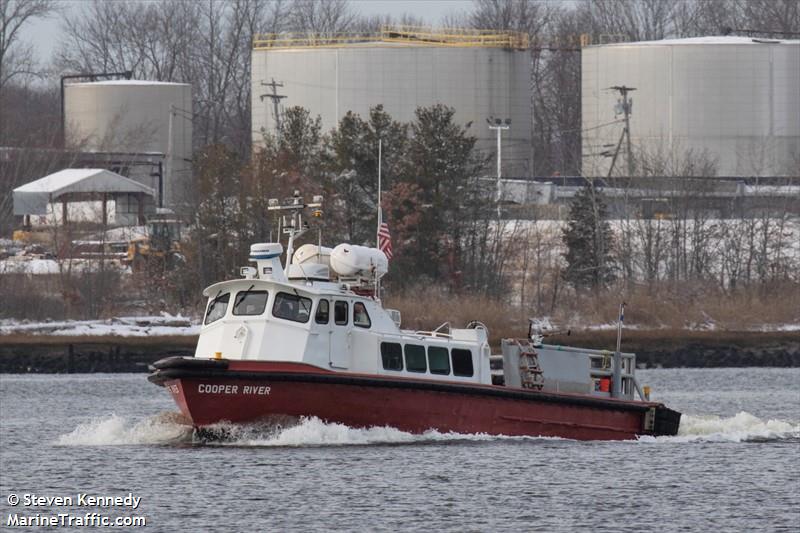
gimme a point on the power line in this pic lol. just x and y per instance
(624, 106)
(276, 100)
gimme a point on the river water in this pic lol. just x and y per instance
(734, 467)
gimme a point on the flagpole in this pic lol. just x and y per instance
(380, 212)
(380, 219)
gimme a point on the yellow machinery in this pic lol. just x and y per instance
(161, 246)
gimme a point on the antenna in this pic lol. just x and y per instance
(292, 223)
(380, 216)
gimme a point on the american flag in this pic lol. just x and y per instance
(385, 240)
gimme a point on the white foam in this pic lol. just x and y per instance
(742, 427)
(165, 428)
(314, 432)
(170, 428)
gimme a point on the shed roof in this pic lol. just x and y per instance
(32, 198)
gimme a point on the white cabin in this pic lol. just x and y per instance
(297, 314)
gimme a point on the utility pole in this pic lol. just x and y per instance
(276, 100)
(498, 126)
(624, 106)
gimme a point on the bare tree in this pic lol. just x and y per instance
(322, 17)
(374, 23)
(529, 16)
(207, 44)
(16, 57)
(636, 20)
(771, 15)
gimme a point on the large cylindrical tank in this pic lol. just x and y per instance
(133, 116)
(478, 82)
(735, 98)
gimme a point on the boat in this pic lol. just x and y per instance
(311, 338)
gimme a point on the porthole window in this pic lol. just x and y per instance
(392, 356)
(462, 363)
(250, 303)
(439, 360)
(415, 358)
(340, 313)
(217, 308)
(360, 315)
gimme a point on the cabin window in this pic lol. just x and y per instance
(360, 315)
(340, 313)
(462, 363)
(438, 360)
(250, 302)
(217, 308)
(392, 356)
(292, 307)
(323, 312)
(415, 358)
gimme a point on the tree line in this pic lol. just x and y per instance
(439, 208)
(208, 44)
(446, 232)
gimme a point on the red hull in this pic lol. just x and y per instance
(249, 391)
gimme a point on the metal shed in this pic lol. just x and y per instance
(79, 184)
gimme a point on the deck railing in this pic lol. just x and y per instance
(389, 35)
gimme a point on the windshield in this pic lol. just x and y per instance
(250, 302)
(217, 308)
(292, 307)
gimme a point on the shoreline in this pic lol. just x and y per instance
(43, 354)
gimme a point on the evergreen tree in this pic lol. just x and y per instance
(352, 165)
(444, 168)
(589, 241)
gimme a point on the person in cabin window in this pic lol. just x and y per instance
(286, 309)
(360, 317)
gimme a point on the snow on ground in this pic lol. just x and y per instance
(546, 324)
(169, 325)
(17, 265)
(135, 326)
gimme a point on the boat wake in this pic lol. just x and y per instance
(314, 432)
(163, 428)
(170, 428)
(742, 427)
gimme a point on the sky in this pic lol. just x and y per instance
(44, 34)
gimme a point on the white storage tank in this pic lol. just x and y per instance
(133, 116)
(471, 73)
(737, 98)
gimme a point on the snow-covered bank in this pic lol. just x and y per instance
(166, 325)
(138, 326)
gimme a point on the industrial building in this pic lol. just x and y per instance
(140, 129)
(736, 99)
(480, 74)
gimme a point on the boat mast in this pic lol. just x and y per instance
(616, 386)
(295, 226)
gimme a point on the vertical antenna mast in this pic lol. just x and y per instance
(616, 386)
(380, 211)
(380, 218)
(295, 226)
